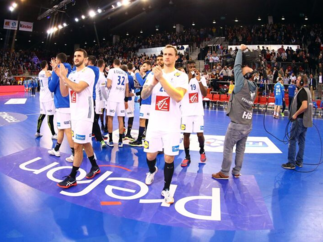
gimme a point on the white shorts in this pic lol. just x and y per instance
(63, 118)
(144, 111)
(115, 108)
(47, 108)
(82, 131)
(130, 112)
(192, 124)
(99, 106)
(159, 140)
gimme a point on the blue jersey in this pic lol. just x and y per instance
(279, 90)
(53, 86)
(291, 90)
(142, 82)
(131, 84)
(97, 75)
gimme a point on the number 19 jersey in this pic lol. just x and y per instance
(119, 80)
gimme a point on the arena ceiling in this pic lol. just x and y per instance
(146, 16)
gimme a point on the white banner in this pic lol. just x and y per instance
(26, 26)
(10, 24)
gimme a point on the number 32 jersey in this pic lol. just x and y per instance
(192, 103)
(165, 114)
(119, 80)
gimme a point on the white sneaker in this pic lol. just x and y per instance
(54, 136)
(70, 159)
(53, 152)
(150, 177)
(168, 198)
(38, 135)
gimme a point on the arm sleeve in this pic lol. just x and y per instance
(239, 79)
(149, 80)
(88, 77)
(140, 79)
(53, 82)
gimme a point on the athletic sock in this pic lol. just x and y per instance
(151, 165)
(93, 161)
(187, 152)
(120, 137)
(57, 146)
(168, 173)
(40, 121)
(128, 131)
(141, 132)
(201, 142)
(110, 137)
(72, 149)
(74, 171)
(50, 122)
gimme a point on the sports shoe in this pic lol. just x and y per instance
(103, 144)
(288, 166)
(120, 144)
(93, 172)
(168, 198)
(38, 135)
(106, 137)
(300, 165)
(111, 144)
(129, 137)
(54, 136)
(136, 143)
(203, 157)
(150, 177)
(70, 158)
(219, 175)
(54, 152)
(186, 162)
(67, 183)
(283, 115)
(236, 175)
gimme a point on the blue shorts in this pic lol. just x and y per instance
(279, 101)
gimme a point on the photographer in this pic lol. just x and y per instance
(240, 112)
(301, 115)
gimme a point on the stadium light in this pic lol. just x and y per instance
(306, 18)
(11, 8)
(125, 2)
(283, 18)
(83, 17)
(99, 10)
(119, 4)
(236, 20)
(193, 24)
(174, 26)
(141, 31)
(214, 22)
(76, 19)
(92, 14)
(64, 24)
(60, 26)
(14, 5)
(259, 19)
(127, 34)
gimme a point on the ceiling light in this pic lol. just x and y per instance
(92, 13)
(11, 8)
(65, 44)
(259, 19)
(103, 38)
(236, 20)
(60, 26)
(157, 29)
(14, 5)
(174, 26)
(99, 10)
(125, 2)
(76, 19)
(127, 34)
(119, 4)
(64, 24)
(83, 17)
(214, 22)
(141, 31)
(193, 24)
(306, 18)
(283, 18)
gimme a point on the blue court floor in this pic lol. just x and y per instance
(266, 204)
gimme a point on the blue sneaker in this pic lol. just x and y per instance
(110, 143)
(120, 144)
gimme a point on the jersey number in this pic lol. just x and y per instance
(119, 80)
(193, 87)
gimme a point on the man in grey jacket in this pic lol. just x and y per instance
(240, 112)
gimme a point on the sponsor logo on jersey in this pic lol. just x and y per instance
(66, 122)
(80, 137)
(177, 74)
(175, 148)
(162, 103)
(183, 126)
(73, 96)
(193, 97)
(141, 114)
(146, 144)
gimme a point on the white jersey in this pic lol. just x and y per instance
(165, 113)
(119, 80)
(44, 95)
(192, 103)
(100, 87)
(81, 104)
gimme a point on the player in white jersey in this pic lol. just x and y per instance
(193, 112)
(79, 86)
(117, 102)
(167, 88)
(46, 101)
